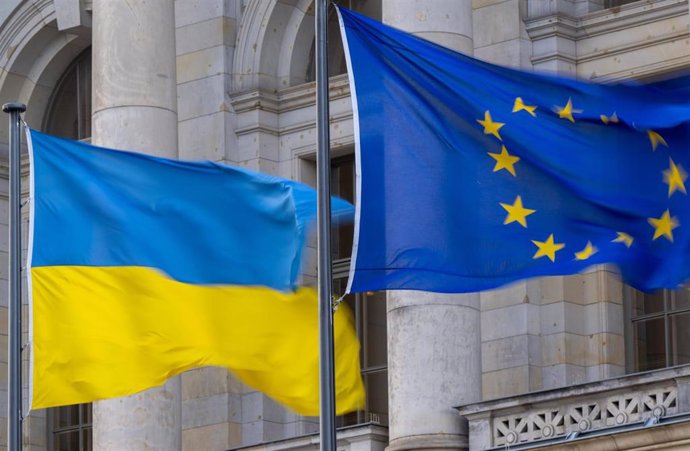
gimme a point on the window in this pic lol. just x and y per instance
(369, 309)
(69, 109)
(659, 329)
(71, 428)
(69, 115)
(343, 186)
(336, 54)
(614, 3)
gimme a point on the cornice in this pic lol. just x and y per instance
(296, 97)
(303, 126)
(288, 99)
(255, 100)
(551, 56)
(605, 21)
(625, 48)
(558, 25)
(631, 15)
(649, 71)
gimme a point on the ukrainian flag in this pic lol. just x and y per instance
(143, 267)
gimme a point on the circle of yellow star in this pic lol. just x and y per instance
(566, 112)
(491, 127)
(613, 119)
(516, 212)
(664, 225)
(504, 160)
(547, 248)
(587, 252)
(655, 139)
(519, 105)
(675, 178)
(622, 237)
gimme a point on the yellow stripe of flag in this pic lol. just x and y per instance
(102, 332)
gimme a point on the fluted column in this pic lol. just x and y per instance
(433, 339)
(135, 108)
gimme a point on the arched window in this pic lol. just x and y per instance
(69, 109)
(336, 54)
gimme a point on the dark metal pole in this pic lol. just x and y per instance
(14, 414)
(323, 176)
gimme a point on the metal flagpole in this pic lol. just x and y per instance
(14, 413)
(326, 362)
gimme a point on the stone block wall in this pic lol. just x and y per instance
(205, 35)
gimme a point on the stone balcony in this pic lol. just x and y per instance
(622, 413)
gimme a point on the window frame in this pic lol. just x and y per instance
(667, 313)
(81, 68)
(83, 426)
(341, 270)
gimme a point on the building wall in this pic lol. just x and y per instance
(244, 98)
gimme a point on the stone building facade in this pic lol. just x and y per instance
(557, 363)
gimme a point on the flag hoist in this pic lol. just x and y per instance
(14, 393)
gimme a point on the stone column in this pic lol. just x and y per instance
(434, 360)
(135, 108)
(134, 77)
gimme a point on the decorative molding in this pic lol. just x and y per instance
(298, 97)
(554, 30)
(551, 56)
(630, 15)
(584, 416)
(556, 25)
(21, 24)
(605, 21)
(250, 37)
(628, 47)
(289, 99)
(596, 406)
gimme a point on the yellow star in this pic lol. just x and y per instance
(609, 119)
(547, 248)
(656, 139)
(675, 178)
(519, 105)
(587, 252)
(516, 212)
(566, 112)
(504, 160)
(664, 225)
(624, 238)
(491, 127)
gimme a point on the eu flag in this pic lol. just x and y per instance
(472, 175)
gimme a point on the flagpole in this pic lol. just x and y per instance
(326, 362)
(14, 414)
